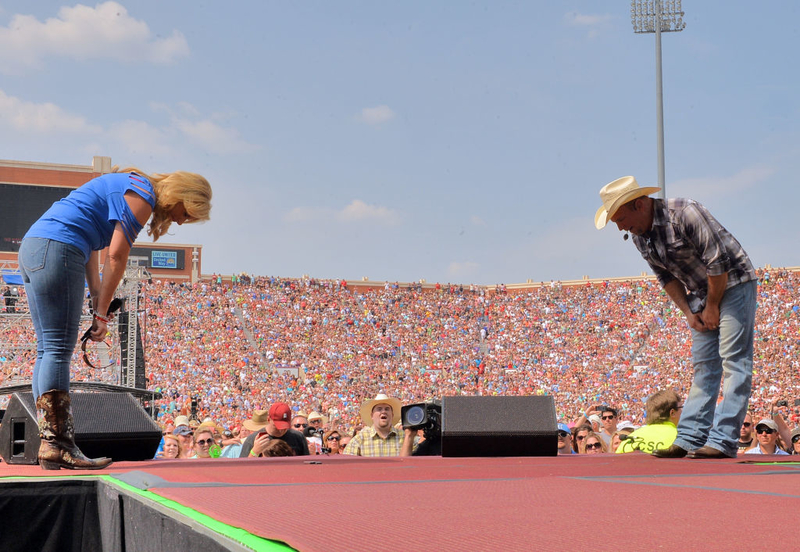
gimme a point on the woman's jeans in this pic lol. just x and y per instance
(54, 275)
(724, 355)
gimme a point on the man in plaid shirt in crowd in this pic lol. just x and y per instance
(379, 437)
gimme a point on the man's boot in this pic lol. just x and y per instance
(57, 449)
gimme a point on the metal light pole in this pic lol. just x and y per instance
(658, 16)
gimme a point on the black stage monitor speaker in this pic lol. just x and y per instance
(499, 426)
(106, 424)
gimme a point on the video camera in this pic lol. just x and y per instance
(427, 416)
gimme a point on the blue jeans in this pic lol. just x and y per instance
(54, 275)
(724, 355)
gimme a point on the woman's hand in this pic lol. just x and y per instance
(99, 329)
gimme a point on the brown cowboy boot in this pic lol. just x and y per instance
(57, 449)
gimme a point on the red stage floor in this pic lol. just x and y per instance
(630, 502)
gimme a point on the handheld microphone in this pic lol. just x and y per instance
(625, 237)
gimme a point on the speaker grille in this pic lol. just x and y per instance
(499, 426)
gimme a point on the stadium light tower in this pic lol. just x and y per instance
(658, 16)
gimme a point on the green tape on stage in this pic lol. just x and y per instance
(235, 533)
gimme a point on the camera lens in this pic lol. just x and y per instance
(415, 415)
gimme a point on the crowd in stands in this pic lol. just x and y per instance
(320, 345)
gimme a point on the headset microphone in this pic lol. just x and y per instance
(625, 237)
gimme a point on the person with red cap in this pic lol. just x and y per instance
(278, 426)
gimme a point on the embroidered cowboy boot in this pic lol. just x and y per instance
(57, 449)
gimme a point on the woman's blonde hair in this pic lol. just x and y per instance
(191, 189)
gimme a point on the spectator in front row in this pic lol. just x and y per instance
(767, 437)
(332, 440)
(564, 440)
(184, 435)
(278, 427)
(316, 420)
(203, 439)
(379, 436)
(608, 417)
(594, 444)
(616, 440)
(256, 423)
(172, 446)
(580, 437)
(795, 441)
(277, 447)
(746, 434)
(660, 430)
(300, 422)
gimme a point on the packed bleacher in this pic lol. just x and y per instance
(320, 345)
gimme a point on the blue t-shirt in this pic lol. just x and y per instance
(87, 216)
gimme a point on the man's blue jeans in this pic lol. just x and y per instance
(54, 275)
(724, 355)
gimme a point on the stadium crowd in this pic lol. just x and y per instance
(223, 350)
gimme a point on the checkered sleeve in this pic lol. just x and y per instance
(705, 234)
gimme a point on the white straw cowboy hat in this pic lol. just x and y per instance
(616, 194)
(366, 408)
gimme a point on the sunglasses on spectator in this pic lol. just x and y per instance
(204, 442)
(767, 430)
(301, 425)
(581, 437)
(333, 438)
(746, 424)
(590, 446)
(562, 433)
(611, 417)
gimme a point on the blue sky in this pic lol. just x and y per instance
(450, 141)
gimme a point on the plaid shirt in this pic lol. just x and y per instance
(369, 442)
(686, 243)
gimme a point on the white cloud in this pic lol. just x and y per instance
(356, 211)
(457, 270)
(593, 23)
(166, 137)
(477, 221)
(207, 132)
(140, 138)
(212, 137)
(359, 211)
(105, 31)
(376, 115)
(576, 19)
(703, 189)
(41, 118)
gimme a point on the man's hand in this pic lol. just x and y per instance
(696, 322)
(407, 448)
(710, 317)
(260, 444)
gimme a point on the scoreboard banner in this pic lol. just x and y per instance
(171, 259)
(163, 259)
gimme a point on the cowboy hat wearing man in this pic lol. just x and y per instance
(379, 436)
(710, 278)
